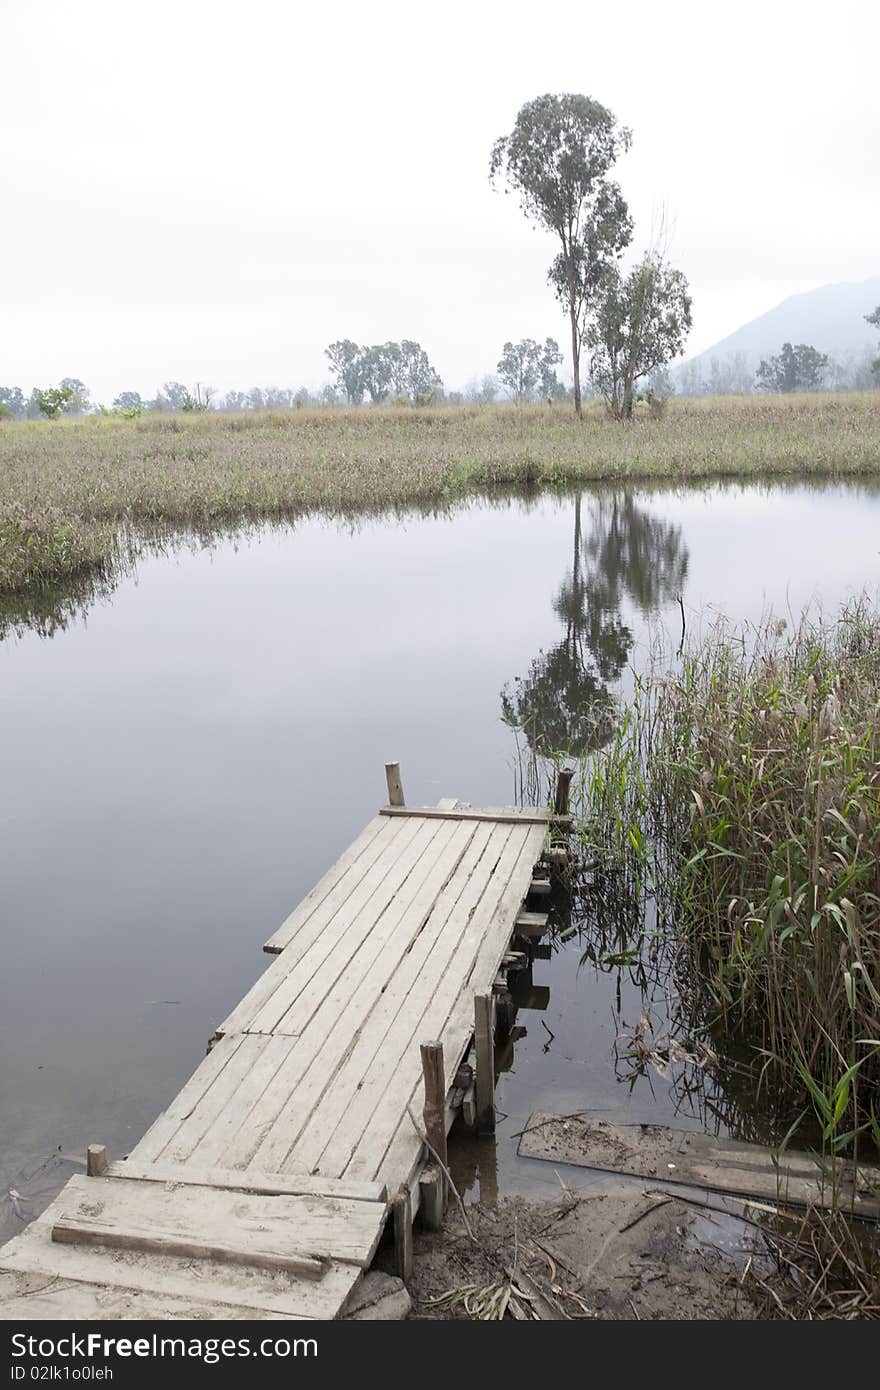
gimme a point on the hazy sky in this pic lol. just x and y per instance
(215, 191)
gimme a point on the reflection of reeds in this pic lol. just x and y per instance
(68, 487)
(743, 794)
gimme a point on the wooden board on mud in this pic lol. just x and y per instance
(682, 1156)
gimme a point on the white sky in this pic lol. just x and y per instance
(215, 191)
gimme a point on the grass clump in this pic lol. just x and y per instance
(75, 493)
(742, 793)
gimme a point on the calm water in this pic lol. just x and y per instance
(180, 764)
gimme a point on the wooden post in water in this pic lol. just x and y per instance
(96, 1160)
(434, 1074)
(395, 786)
(484, 1037)
(563, 782)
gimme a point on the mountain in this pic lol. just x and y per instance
(831, 319)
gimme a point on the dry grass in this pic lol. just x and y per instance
(74, 494)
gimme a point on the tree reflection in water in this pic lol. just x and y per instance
(563, 705)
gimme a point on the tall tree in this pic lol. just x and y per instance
(557, 159)
(519, 369)
(13, 400)
(549, 360)
(420, 380)
(79, 401)
(799, 368)
(346, 363)
(53, 401)
(641, 322)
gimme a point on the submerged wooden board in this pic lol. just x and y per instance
(682, 1156)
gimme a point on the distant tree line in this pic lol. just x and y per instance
(795, 368)
(630, 334)
(398, 371)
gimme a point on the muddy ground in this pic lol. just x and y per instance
(628, 1252)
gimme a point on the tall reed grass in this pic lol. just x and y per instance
(741, 793)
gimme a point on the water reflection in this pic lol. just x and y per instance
(563, 704)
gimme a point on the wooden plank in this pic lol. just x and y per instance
(43, 1298)
(250, 1223)
(166, 1126)
(429, 860)
(449, 1016)
(286, 1104)
(371, 1118)
(236, 1180)
(178, 1141)
(508, 815)
(344, 875)
(684, 1156)
(90, 1230)
(221, 1285)
(530, 925)
(369, 1077)
(378, 995)
(211, 1143)
(316, 938)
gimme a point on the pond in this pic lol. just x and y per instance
(183, 759)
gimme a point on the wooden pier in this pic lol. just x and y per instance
(322, 1107)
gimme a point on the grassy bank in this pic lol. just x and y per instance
(742, 794)
(73, 493)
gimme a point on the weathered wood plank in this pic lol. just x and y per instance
(167, 1276)
(369, 1077)
(432, 857)
(288, 1101)
(250, 1223)
(46, 1298)
(450, 1017)
(152, 1240)
(508, 815)
(371, 1118)
(249, 1180)
(339, 880)
(166, 1126)
(364, 900)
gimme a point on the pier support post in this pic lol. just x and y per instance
(403, 1237)
(96, 1160)
(434, 1074)
(563, 783)
(432, 1196)
(395, 786)
(484, 1037)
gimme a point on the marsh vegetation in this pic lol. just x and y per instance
(76, 495)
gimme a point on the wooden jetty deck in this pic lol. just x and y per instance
(323, 1104)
